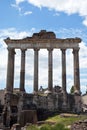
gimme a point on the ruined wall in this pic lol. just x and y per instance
(2, 93)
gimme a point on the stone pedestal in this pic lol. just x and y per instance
(65, 104)
(78, 103)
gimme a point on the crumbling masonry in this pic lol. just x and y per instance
(54, 99)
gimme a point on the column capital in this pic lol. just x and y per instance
(50, 49)
(36, 49)
(23, 50)
(75, 50)
(63, 49)
(12, 50)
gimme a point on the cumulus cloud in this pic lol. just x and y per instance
(67, 6)
(19, 1)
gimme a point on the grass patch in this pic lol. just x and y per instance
(60, 122)
(46, 127)
(67, 120)
(32, 127)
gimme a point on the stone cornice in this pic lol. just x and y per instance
(42, 40)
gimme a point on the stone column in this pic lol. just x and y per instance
(50, 69)
(63, 69)
(64, 105)
(22, 72)
(10, 70)
(76, 70)
(36, 69)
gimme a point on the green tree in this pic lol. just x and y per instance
(72, 90)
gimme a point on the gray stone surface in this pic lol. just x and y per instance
(81, 125)
(50, 100)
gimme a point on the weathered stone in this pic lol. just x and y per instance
(80, 125)
(16, 127)
(51, 100)
(27, 116)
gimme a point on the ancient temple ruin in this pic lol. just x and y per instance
(55, 99)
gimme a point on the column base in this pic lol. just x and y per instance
(35, 92)
(64, 105)
(77, 92)
(78, 103)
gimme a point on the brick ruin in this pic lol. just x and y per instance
(41, 102)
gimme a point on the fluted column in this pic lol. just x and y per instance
(10, 70)
(22, 71)
(63, 69)
(50, 69)
(76, 70)
(36, 69)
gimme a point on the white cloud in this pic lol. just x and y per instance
(27, 12)
(19, 1)
(17, 7)
(56, 14)
(67, 6)
(85, 21)
(20, 9)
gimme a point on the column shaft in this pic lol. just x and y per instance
(36, 70)
(50, 70)
(22, 72)
(63, 69)
(10, 70)
(76, 71)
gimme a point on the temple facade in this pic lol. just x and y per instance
(52, 99)
(42, 40)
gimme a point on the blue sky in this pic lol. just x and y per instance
(21, 18)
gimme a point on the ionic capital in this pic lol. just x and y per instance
(36, 49)
(75, 50)
(23, 50)
(63, 50)
(50, 49)
(11, 50)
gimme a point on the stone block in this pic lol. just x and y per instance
(27, 116)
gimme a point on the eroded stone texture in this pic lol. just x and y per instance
(80, 125)
(28, 116)
(53, 99)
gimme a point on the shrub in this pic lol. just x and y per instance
(32, 127)
(46, 127)
(59, 126)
